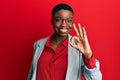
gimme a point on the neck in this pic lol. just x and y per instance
(58, 39)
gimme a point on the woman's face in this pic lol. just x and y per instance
(62, 22)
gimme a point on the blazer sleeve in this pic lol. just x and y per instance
(91, 74)
(30, 74)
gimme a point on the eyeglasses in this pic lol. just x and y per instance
(59, 20)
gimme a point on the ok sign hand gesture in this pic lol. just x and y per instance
(82, 43)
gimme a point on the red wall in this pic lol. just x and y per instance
(22, 22)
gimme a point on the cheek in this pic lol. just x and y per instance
(71, 27)
(56, 25)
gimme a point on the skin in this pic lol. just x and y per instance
(59, 36)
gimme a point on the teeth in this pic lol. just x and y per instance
(63, 30)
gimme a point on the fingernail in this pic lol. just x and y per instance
(79, 24)
(73, 24)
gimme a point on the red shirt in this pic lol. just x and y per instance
(52, 65)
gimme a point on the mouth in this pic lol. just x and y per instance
(63, 30)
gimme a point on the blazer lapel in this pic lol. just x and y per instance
(39, 49)
(73, 63)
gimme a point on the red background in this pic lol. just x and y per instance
(22, 22)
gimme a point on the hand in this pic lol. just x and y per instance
(82, 41)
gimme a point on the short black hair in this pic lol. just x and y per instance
(61, 6)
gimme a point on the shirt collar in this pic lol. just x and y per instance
(64, 43)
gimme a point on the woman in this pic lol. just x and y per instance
(62, 56)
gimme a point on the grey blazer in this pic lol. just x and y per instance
(75, 64)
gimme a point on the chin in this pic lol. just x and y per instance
(63, 35)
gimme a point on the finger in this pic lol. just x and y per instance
(73, 45)
(80, 30)
(77, 33)
(84, 33)
(72, 42)
(85, 36)
(75, 39)
(72, 39)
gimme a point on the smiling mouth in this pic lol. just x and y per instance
(63, 30)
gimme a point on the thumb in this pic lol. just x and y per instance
(73, 45)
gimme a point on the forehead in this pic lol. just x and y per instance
(64, 13)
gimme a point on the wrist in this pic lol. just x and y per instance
(88, 55)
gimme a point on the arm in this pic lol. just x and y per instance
(82, 45)
(30, 74)
(91, 73)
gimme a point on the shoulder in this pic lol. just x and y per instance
(41, 41)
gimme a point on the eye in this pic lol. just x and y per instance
(57, 20)
(69, 20)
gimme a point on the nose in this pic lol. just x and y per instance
(64, 24)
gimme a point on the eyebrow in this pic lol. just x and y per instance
(62, 17)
